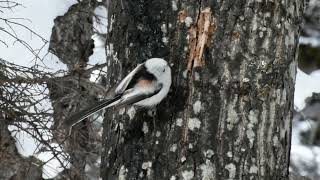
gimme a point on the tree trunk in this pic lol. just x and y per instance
(71, 42)
(228, 114)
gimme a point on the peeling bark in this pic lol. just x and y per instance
(227, 117)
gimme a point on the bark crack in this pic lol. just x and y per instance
(199, 37)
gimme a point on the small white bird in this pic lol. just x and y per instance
(146, 86)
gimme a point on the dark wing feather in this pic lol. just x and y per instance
(139, 73)
(132, 96)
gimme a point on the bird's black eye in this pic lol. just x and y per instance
(163, 70)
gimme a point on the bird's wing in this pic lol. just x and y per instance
(125, 82)
(136, 94)
(79, 116)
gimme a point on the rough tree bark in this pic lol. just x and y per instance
(71, 42)
(228, 114)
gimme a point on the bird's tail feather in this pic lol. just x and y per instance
(77, 117)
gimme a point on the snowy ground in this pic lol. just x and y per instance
(41, 13)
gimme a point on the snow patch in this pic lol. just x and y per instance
(304, 80)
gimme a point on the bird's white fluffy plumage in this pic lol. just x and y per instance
(147, 85)
(161, 70)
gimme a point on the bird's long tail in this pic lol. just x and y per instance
(79, 116)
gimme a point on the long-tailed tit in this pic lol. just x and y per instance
(146, 86)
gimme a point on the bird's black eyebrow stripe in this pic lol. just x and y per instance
(142, 74)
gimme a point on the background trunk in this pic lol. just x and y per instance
(229, 111)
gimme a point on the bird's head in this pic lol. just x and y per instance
(160, 69)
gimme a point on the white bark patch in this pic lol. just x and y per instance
(185, 73)
(164, 28)
(187, 175)
(253, 119)
(278, 96)
(207, 170)
(173, 147)
(188, 21)
(131, 112)
(290, 38)
(165, 40)
(110, 50)
(232, 170)
(272, 115)
(174, 5)
(209, 153)
(183, 159)
(145, 128)
(253, 169)
(112, 20)
(229, 154)
(197, 107)
(213, 81)
(293, 70)
(275, 141)
(266, 42)
(245, 80)
(232, 116)
(123, 173)
(254, 22)
(283, 97)
(122, 111)
(196, 76)
(173, 178)
(141, 174)
(121, 126)
(194, 123)
(179, 122)
(158, 134)
(261, 34)
(146, 165)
